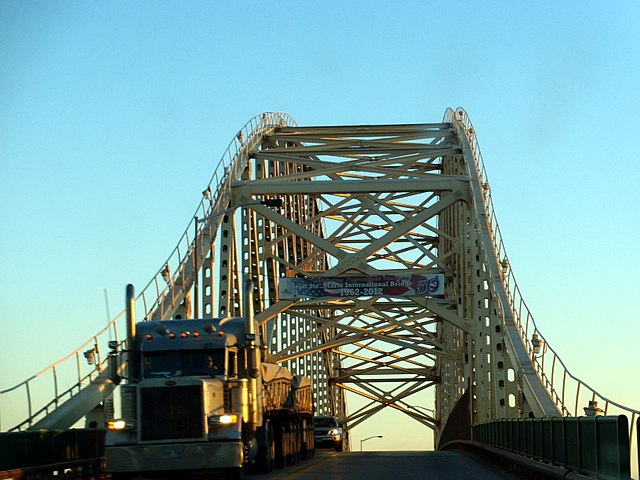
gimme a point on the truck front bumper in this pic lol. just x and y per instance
(183, 456)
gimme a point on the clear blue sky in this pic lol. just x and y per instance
(113, 115)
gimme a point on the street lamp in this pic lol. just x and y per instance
(368, 438)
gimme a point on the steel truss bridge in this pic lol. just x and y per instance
(352, 209)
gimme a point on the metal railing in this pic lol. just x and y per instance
(54, 454)
(44, 391)
(159, 286)
(594, 446)
(570, 394)
(61, 380)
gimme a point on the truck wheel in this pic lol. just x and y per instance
(267, 454)
(279, 446)
(271, 450)
(293, 442)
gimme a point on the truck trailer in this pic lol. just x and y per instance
(198, 398)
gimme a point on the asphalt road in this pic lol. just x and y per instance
(388, 466)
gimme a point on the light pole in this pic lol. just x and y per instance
(368, 438)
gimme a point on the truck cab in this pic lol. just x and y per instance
(198, 398)
(190, 403)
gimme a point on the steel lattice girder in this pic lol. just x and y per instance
(369, 201)
(375, 194)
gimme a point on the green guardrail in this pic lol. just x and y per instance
(594, 446)
(20, 450)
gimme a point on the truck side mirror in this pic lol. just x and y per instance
(113, 369)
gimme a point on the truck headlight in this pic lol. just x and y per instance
(120, 424)
(335, 431)
(226, 419)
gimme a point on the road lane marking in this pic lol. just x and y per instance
(304, 468)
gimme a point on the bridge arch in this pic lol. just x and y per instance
(379, 271)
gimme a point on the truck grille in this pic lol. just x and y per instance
(171, 413)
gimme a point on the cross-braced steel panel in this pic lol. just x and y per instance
(383, 202)
(358, 202)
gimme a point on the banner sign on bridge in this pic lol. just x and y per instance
(384, 285)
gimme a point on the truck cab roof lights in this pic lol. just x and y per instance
(149, 336)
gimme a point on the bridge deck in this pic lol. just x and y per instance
(390, 465)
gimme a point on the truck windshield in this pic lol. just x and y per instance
(183, 363)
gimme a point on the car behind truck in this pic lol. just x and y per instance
(198, 398)
(328, 433)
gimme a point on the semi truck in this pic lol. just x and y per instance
(198, 397)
